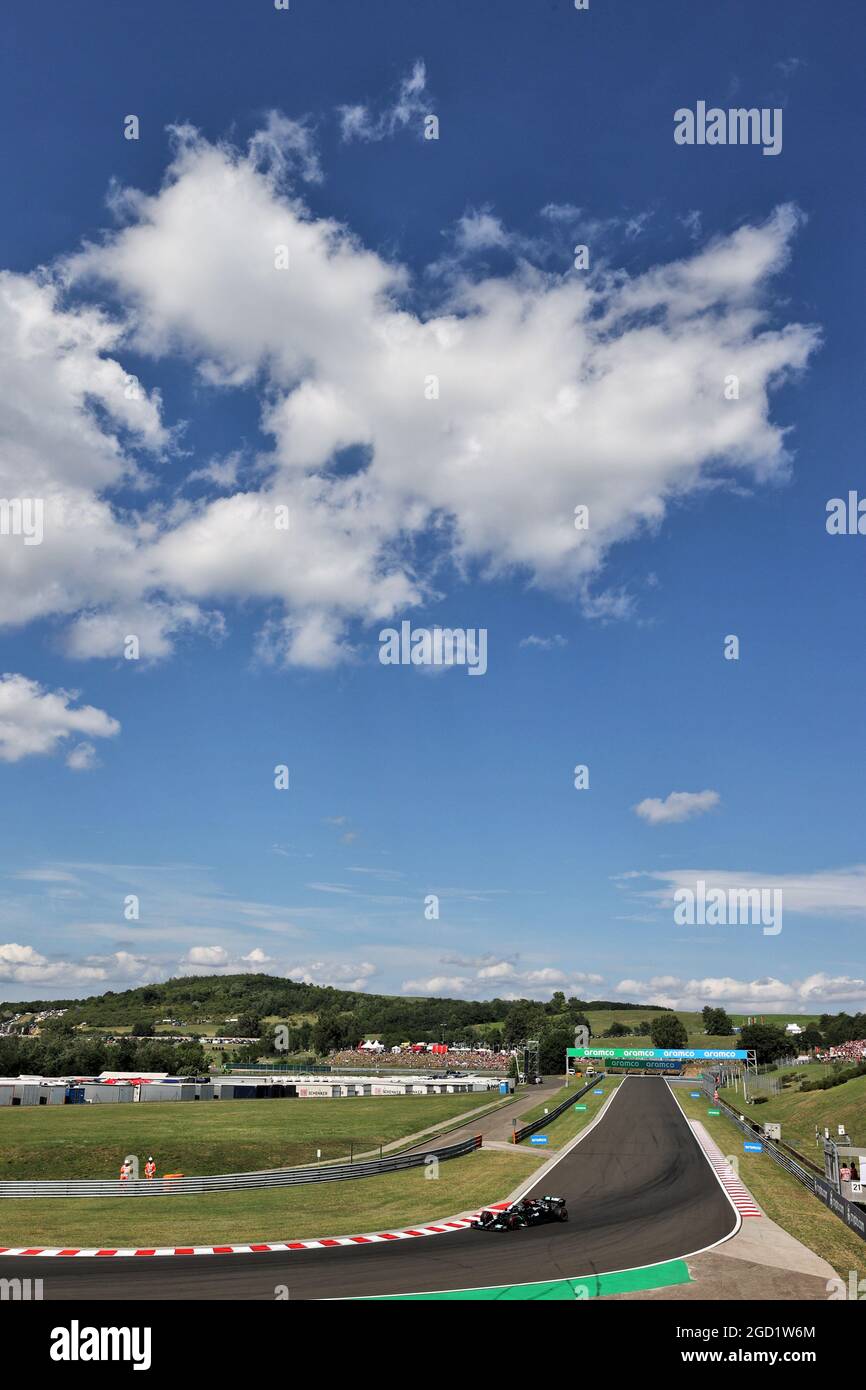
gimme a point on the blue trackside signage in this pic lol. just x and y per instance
(751, 1148)
(538, 1139)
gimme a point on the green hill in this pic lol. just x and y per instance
(322, 1019)
(799, 1112)
(201, 1000)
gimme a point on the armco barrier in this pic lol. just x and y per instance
(557, 1110)
(852, 1215)
(235, 1182)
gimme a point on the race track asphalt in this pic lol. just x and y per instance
(638, 1187)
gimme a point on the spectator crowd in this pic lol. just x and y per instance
(470, 1059)
(854, 1051)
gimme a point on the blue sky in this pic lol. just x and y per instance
(166, 386)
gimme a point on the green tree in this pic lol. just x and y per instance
(812, 1036)
(525, 1019)
(668, 1031)
(331, 1032)
(717, 1023)
(56, 1028)
(840, 1029)
(248, 1026)
(551, 1048)
(768, 1041)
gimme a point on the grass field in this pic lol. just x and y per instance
(694, 1040)
(321, 1209)
(780, 1195)
(600, 1019)
(571, 1121)
(799, 1112)
(90, 1141)
(811, 1071)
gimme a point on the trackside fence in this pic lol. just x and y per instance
(853, 1216)
(235, 1182)
(558, 1110)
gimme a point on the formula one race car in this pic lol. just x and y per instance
(531, 1211)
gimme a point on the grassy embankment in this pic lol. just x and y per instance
(799, 1112)
(780, 1195)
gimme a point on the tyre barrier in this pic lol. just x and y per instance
(556, 1111)
(234, 1182)
(853, 1216)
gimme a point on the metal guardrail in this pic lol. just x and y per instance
(234, 1182)
(558, 1110)
(849, 1212)
(799, 1158)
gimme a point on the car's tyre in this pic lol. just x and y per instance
(563, 1215)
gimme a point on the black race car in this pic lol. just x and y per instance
(531, 1211)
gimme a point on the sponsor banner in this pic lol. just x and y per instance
(651, 1064)
(853, 1215)
(682, 1054)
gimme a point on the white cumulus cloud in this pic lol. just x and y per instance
(766, 995)
(36, 721)
(678, 806)
(611, 384)
(24, 965)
